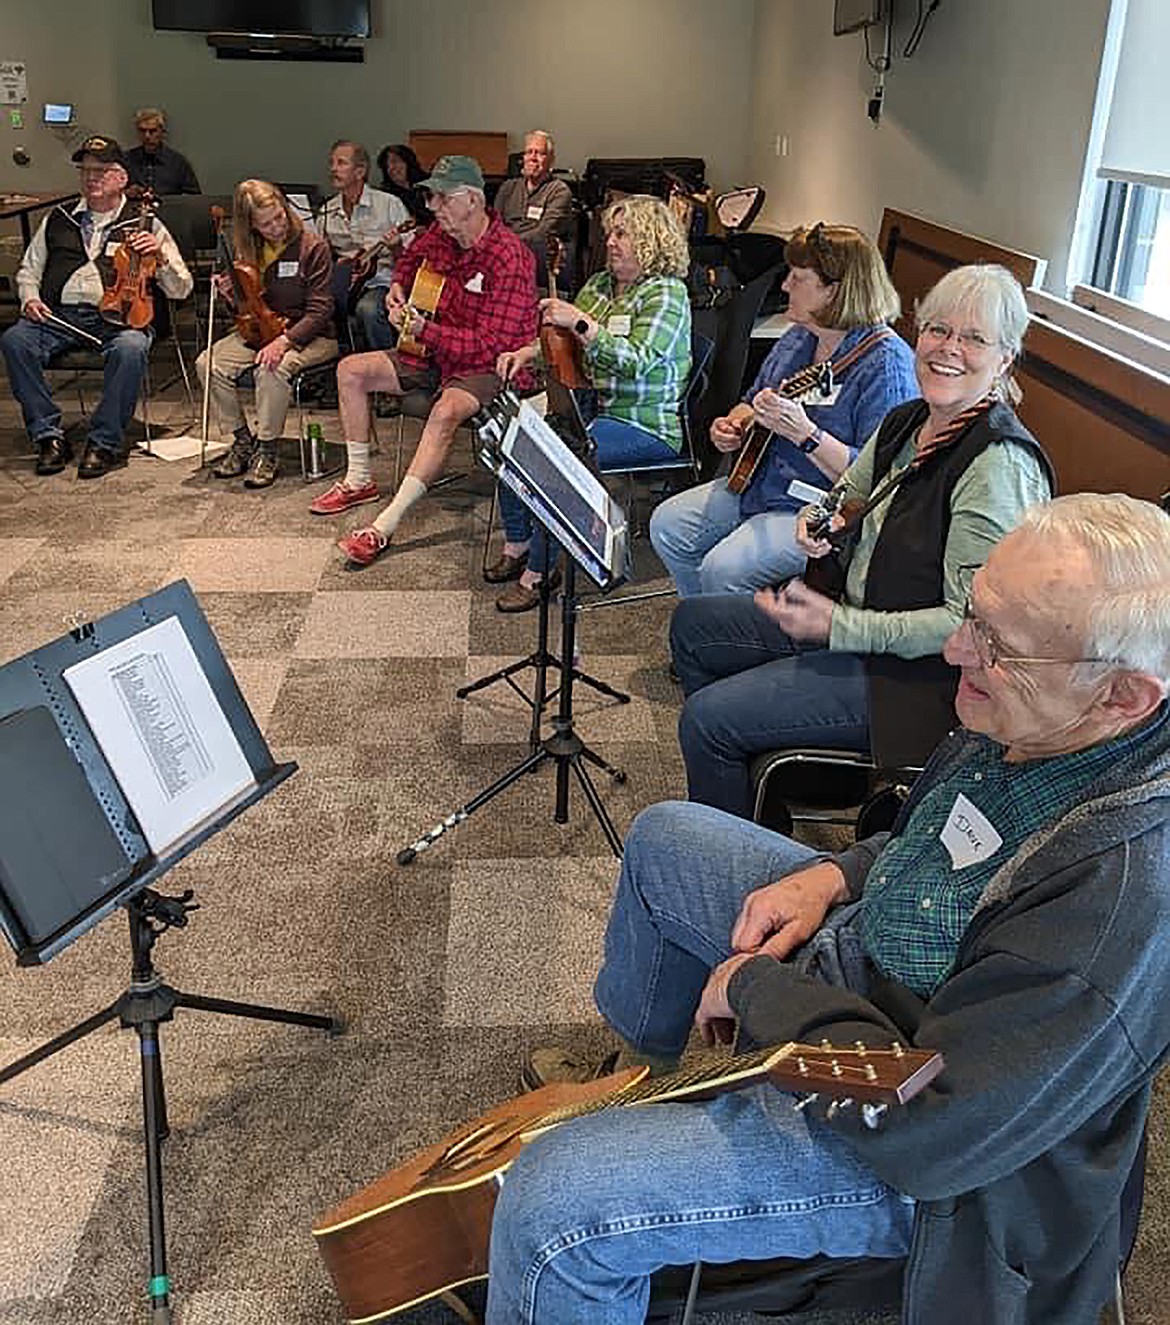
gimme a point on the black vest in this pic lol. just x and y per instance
(911, 700)
(66, 252)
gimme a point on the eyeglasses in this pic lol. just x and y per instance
(991, 652)
(968, 338)
(93, 172)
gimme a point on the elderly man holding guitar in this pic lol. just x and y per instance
(365, 228)
(472, 286)
(1015, 921)
(823, 389)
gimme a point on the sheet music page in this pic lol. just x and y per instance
(162, 730)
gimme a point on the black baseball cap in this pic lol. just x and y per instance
(102, 148)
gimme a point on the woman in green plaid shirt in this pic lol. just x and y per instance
(633, 322)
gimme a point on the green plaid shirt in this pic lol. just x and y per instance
(915, 905)
(641, 374)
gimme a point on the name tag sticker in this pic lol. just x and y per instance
(619, 324)
(286, 269)
(968, 834)
(112, 246)
(806, 492)
(475, 285)
(534, 213)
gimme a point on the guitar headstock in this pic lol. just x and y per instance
(554, 255)
(862, 1073)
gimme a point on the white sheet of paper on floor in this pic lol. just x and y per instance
(162, 731)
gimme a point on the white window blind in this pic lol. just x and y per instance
(1137, 140)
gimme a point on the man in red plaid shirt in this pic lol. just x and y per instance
(487, 306)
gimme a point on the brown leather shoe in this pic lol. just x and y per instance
(506, 568)
(518, 598)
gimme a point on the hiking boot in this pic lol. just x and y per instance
(238, 457)
(263, 469)
(544, 1067)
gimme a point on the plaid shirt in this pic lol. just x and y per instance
(916, 906)
(640, 374)
(488, 304)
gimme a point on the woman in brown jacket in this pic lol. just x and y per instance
(295, 269)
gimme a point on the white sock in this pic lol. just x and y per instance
(410, 491)
(357, 473)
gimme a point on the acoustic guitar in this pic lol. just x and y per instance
(425, 292)
(818, 379)
(422, 1230)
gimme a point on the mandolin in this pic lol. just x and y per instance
(359, 267)
(425, 292)
(817, 380)
(422, 1229)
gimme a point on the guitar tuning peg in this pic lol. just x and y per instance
(803, 1104)
(871, 1115)
(838, 1106)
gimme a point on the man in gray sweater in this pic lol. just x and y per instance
(1017, 920)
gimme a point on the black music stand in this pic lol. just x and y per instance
(72, 850)
(568, 519)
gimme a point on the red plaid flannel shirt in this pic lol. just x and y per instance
(488, 304)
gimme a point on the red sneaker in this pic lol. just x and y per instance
(364, 546)
(340, 498)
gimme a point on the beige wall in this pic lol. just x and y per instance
(985, 128)
(608, 78)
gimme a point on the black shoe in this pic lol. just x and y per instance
(55, 455)
(264, 468)
(96, 461)
(238, 457)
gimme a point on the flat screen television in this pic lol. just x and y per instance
(853, 15)
(314, 18)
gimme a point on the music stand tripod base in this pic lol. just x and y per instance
(564, 747)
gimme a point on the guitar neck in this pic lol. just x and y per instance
(870, 1076)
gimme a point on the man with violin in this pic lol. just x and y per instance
(362, 225)
(280, 284)
(478, 280)
(62, 279)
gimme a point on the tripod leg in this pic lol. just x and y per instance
(408, 854)
(159, 1287)
(599, 811)
(596, 760)
(201, 1003)
(600, 686)
(60, 1042)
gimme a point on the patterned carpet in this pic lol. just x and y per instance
(444, 971)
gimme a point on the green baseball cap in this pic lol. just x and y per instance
(454, 172)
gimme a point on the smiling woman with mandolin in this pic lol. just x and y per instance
(939, 482)
(279, 283)
(826, 385)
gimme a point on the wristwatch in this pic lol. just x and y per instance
(812, 441)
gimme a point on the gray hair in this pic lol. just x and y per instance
(150, 113)
(990, 292)
(360, 156)
(550, 146)
(1127, 542)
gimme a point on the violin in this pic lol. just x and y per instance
(256, 323)
(560, 348)
(129, 301)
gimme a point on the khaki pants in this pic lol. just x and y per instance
(231, 357)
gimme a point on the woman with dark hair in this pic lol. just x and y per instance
(401, 174)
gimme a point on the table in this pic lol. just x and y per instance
(23, 205)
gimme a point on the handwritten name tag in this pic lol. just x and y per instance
(619, 324)
(112, 246)
(475, 285)
(534, 213)
(968, 834)
(286, 269)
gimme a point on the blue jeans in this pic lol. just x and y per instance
(751, 688)
(619, 446)
(28, 346)
(593, 1207)
(377, 333)
(708, 547)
